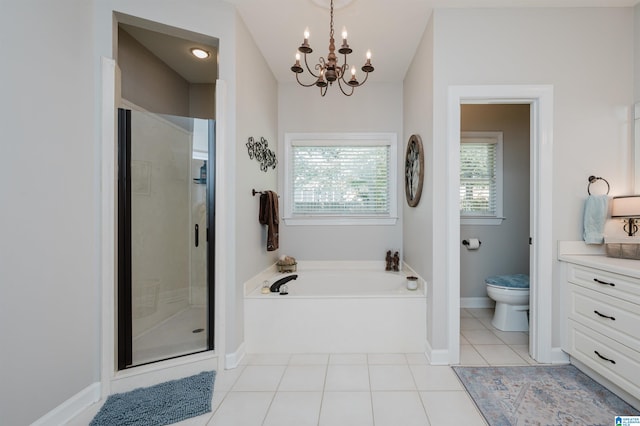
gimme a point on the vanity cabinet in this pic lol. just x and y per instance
(603, 317)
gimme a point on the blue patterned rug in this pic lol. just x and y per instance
(162, 404)
(541, 395)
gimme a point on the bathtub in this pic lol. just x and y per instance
(358, 308)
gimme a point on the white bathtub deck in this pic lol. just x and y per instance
(327, 322)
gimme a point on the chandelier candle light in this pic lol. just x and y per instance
(328, 69)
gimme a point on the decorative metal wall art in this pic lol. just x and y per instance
(263, 155)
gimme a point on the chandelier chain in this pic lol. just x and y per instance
(331, 22)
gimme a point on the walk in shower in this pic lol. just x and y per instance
(165, 236)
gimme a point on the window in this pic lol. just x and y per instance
(481, 178)
(345, 178)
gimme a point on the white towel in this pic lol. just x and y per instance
(596, 208)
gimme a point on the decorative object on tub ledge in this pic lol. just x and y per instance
(392, 262)
(412, 282)
(263, 155)
(627, 207)
(268, 215)
(286, 264)
(594, 179)
(596, 209)
(414, 170)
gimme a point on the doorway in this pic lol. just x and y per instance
(495, 210)
(166, 158)
(540, 98)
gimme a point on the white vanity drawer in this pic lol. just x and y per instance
(618, 319)
(614, 361)
(616, 285)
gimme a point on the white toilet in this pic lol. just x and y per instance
(511, 294)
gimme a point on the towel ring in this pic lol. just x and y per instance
(593, 179)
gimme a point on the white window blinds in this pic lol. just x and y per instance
(481, 176)
(340, 180)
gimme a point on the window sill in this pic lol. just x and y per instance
(339, 221)
(481, 220)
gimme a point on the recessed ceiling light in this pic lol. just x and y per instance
(200, 53)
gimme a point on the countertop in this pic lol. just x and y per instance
(627, 267)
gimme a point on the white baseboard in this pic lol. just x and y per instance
(437, 356)
(71, 407)
(476, 302)
(558, 356)
(232, 360)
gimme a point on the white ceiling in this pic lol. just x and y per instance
(392, 29)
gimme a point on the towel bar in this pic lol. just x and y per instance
(254, 192)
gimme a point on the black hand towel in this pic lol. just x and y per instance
(268, 215)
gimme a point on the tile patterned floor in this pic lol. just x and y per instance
(356, 389)
(483, 344)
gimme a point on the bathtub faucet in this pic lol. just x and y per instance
(275, 287)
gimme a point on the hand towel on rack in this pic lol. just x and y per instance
(268, 215)
(596, 208)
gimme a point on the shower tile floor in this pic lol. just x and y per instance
(173, 337)
(356, 389)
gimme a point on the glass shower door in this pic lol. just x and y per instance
(166, 209)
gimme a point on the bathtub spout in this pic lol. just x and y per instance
(275, 287)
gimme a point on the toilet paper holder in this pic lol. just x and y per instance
(466, 242)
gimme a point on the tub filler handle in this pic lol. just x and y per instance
(275, 287)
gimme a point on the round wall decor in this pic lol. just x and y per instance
(414, 170)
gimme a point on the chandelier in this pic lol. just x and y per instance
(328, 70)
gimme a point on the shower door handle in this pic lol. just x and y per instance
(197, 235)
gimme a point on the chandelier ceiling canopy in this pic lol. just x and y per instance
(328, 70)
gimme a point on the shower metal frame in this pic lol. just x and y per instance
(124, 312)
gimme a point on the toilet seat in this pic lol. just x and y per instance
(515, 281)
(511, 294)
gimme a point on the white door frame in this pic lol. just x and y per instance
(540, 97)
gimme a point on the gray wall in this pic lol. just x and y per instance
(148, 82)
(505, 247)
(636, 45)
(151, 84)
(418, 225)
(375, 107)
(592, 78)
(257, 114)
(49, 220)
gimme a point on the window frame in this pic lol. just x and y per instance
(337, 139)
(489, 138)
